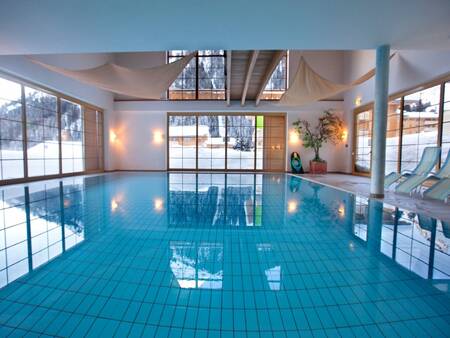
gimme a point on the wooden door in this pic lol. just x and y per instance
(274, 143)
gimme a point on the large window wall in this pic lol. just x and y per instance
(204, 77)
(43, 134)
(416, 120)
(223, 142)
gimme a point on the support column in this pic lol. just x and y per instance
(380, 122)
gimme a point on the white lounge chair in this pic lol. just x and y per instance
(427, 162)
(439, 191)
(414, 181)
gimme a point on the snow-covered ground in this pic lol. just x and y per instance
(211, 150)
(211, 158)
(43, 159)
(411, 151)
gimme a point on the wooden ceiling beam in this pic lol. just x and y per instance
(229, 56)
(277, 56)
(248, 76)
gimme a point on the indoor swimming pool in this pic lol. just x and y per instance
(215, 254)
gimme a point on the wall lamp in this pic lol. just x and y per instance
(158, 137)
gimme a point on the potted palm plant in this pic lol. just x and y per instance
(329, 129)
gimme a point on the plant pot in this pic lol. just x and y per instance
(317, 168)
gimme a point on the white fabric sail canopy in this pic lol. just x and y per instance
(146, 83)
(308, 86)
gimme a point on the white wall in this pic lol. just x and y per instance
(136, 121)
(408, 69)
(22, 67)
(134, 147)
(331, 153)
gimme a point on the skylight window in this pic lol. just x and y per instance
(202, 79)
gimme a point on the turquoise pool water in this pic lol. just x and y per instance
(180, 254)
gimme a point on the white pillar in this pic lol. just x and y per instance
(380, 122)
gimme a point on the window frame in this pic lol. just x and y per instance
(286, 81)
(196, 58)
(441, 82)
(226, 114)
(59, 96)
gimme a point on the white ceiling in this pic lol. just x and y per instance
(95, 26)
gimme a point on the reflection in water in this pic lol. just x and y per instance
(416, 242)
(216, 200)
(197, 265)
(158, 204)
(272, 273)
(292, 206)
(40, 222)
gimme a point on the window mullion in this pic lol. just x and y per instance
(24, 133)
(226, 142)
(255, 141)
(196, 76)
(400, 135)
(441, 122)
(83, 136)
(59, 116)
(196, 141)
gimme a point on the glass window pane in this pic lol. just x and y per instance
(182, 142)
(277, 84)
(241, 142)
(393, 135)
(420, 124)
(363, 141)
(211, 142)
(42, 133)
(72, 137)
(209, 77)
(11, 130)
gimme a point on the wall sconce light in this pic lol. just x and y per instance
(344, 135)
(158, 204)
(158, 137)
(112, 136)
(358, 101)
(293, 137)
(292, 206)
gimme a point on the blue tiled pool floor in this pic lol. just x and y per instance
(217, 255)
